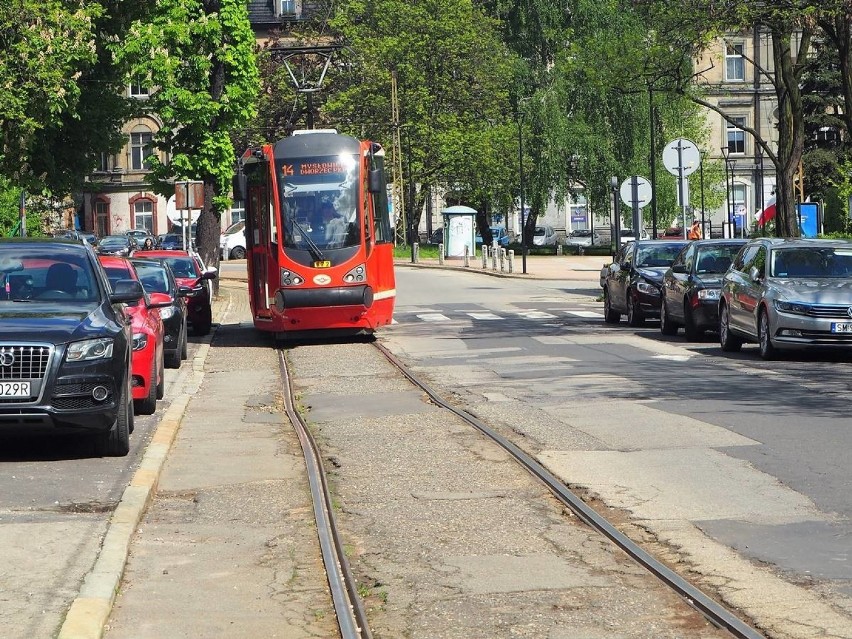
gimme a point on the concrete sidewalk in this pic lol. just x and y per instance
(542, 267)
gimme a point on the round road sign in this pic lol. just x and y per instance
(644, 193)
(681, 152)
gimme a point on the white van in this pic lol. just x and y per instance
(232, 243)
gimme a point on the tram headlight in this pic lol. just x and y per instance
(289, 278)
(357, 274)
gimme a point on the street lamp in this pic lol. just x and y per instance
(728, 215)
(521, 188)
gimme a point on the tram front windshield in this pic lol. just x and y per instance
(319, 202)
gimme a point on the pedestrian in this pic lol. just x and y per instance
(694, 231)
(148, 244)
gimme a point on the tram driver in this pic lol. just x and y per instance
(330, 225)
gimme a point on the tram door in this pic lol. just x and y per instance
(258, 196)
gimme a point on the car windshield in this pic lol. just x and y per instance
(581, 233)
(29, 273)
(182, 266)
(659, 255)
(540, 230)
(319, 198)
(716, 259)
(113, 240)
(808, 261)
(235, 228)
(153, 277)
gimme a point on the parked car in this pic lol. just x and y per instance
(171, 242)
(631, 283)
(690, 295)
(140, 235)
(787, 293)
(232, 242)
(121, 245)
(544, 236)
(156, 277)
(629, 235)
(437, 236)
(91, 238)
(65, 354)
(498, 233)
(581, 237)
(190, 272)
(149, 379)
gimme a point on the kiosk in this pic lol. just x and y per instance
(460, 230)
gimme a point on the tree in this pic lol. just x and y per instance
(199, 58)
(454, 76)
(46, 47)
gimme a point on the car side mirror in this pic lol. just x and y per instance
(375, 180)
(126, 292)
(184, 291)
(678, 268)
(160, 300)
(755, 274)
(209, 273)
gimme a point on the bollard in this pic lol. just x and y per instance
(416, 253)
(558, 249)
(494, 259)
(440, 253)
(466, 255)
(502, 260)
(581, 250)
(511, 261)
(484, 256)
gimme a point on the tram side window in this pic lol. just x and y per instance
(381, 218)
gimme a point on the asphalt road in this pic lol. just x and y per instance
(704, 449)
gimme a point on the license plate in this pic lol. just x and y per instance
(841, 327)
(323, 264)
(14, 389)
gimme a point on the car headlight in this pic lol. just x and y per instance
(89, 349)
(647, 288)
(709, 294)
(796, 308)
(167, 312)
(140, 341)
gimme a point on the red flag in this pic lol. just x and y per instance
(767, 213)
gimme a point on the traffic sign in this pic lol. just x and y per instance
(681, 155)
(644, 193)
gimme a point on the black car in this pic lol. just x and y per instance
(121, 245)
(691, 287)
(171, 242)
(65, 342)
(157, 279)
(631, 284)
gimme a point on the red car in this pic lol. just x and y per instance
(148, 380)
(189, 271)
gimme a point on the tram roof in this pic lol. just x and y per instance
(313, 144)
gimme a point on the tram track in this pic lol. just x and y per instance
(352, 619)
(713, 611)
(351, 616)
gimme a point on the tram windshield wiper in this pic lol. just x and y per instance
(313, 249)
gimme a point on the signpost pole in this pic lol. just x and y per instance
(637, 219)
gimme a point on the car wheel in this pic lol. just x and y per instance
(634, 315)
(667, 326)
(767, 349)
(173, 359)
(728, 342)
(116, 441)
(238, 253)
(148, 405)
(161, 385)
(692, 332)
(611, 316)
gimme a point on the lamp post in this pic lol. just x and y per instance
(616, 218)
(727, 193)
(701, 178)
(653, 163)
(521, 188)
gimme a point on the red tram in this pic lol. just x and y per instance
(319, 242)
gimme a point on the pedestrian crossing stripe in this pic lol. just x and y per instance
(484, 316)
(431, 315)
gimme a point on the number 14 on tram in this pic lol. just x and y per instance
(319, 239)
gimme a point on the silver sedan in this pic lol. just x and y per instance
(788, 293)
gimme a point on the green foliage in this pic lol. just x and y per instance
(47, 45)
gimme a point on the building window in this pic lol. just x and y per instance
(736, 136)
(139, 88)
(143, 215)
(238, 211)
(140, 150)
(288, 8)
(101, 218)
(105, 162)
(734, 62)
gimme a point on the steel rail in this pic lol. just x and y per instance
(351, 617)
(714, 612)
